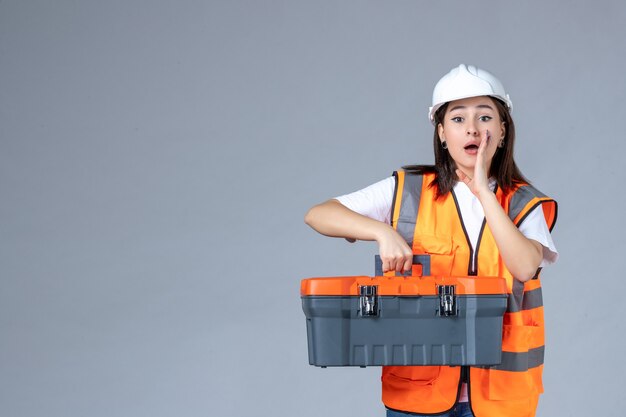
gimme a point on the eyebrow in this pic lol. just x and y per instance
(480, 106)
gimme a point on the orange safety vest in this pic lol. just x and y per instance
(435, 227)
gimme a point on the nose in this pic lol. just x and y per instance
(471, 130)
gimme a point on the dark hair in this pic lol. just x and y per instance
(503, 167)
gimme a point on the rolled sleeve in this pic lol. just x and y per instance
(373, 201)
(535, 227)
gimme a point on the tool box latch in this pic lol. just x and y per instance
(447, 300)
(368, 300)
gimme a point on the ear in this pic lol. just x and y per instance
(440, 131)
(503, 129)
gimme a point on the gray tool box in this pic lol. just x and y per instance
(404, 320)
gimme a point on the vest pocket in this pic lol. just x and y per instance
(441, 251)
(519, 374)
(419, 375)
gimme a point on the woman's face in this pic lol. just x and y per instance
(465, 124)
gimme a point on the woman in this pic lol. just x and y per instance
(475, 214)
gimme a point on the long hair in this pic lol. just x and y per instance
(503, 167)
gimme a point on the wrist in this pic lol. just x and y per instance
(485, 194)
(381, 231)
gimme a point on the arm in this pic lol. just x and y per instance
(522, 256)
(332, 218)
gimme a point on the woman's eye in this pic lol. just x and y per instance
(485, 118)
(457, 119)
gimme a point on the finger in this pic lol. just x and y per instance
(481, 154)
(399, 265)
(386, 266)
(408, 264)
(483, 142)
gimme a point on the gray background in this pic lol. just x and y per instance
(157, 158)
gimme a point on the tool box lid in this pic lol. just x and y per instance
(402, 285)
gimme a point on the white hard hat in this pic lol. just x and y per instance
(466, 81)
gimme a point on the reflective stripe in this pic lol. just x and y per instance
(521, 361)
(409, 207)
(521, 198)
(527, 301)
(516, 297)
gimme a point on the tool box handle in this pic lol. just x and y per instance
(423, 260)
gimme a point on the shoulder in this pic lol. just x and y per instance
(422, 170)
(524, 198)
(525, 191)
(415, 174)
(374, 191)
(373, 201)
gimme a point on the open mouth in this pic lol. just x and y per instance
(471, 146)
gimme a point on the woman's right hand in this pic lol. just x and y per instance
(331, 218)
(395, 253)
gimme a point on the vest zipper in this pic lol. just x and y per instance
(474, 254)
(472, 268)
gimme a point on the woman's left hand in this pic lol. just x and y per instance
(479, 183)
